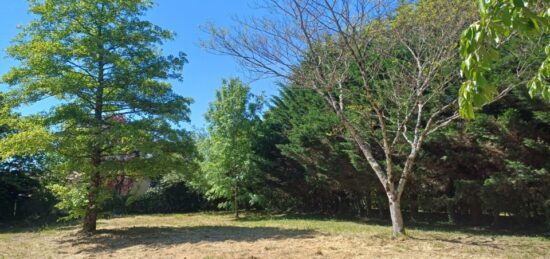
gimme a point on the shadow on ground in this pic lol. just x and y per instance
(107, 240)
(25, 226)
(441, 226)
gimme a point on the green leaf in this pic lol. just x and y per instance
(517, 3)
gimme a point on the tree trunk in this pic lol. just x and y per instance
(15, 207)
(398, 227)
(451, 214)
(236, 202)
(368, 212)
(476, 212)
(414, 209)
(90, 217)
(380, 200)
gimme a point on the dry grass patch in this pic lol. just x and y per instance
(220, 236)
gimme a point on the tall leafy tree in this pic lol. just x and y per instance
(115, 110)
(229, 168)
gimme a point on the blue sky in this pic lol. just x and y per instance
(203, 73)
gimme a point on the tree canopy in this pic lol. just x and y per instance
(229, 162)
(115, 111)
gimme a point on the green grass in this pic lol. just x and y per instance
(219, 235)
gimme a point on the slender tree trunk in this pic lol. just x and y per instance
(380, 200)
(414, 208)
(476, 212)
(398, 227)
(90, 217)
(451, 214)
(236, 202)
(15, 207)
(369, 205)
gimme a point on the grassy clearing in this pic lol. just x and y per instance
(216, 235)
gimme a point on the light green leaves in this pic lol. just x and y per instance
(72, 200)
(229, 162)
(539, 85)
(101, 62)
(25, 136)
(499, 20)
(30, 141)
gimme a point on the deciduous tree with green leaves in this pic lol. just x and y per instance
(500, 21)
(229, 166)
(115, 110)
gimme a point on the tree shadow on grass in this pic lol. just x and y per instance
(485, 231)
(466, 236)
(25, 226)
(440, 226)
(154, 237)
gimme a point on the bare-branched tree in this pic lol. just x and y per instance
(389, 70)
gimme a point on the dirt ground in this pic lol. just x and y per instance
(220, 236)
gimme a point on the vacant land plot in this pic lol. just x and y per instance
(220, 236)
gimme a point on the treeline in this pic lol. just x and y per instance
(366, 122)
(339, 138)
(490, 171)
(474, 172)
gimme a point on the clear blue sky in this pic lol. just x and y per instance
(203, 73)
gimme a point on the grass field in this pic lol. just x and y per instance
(220, 236)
